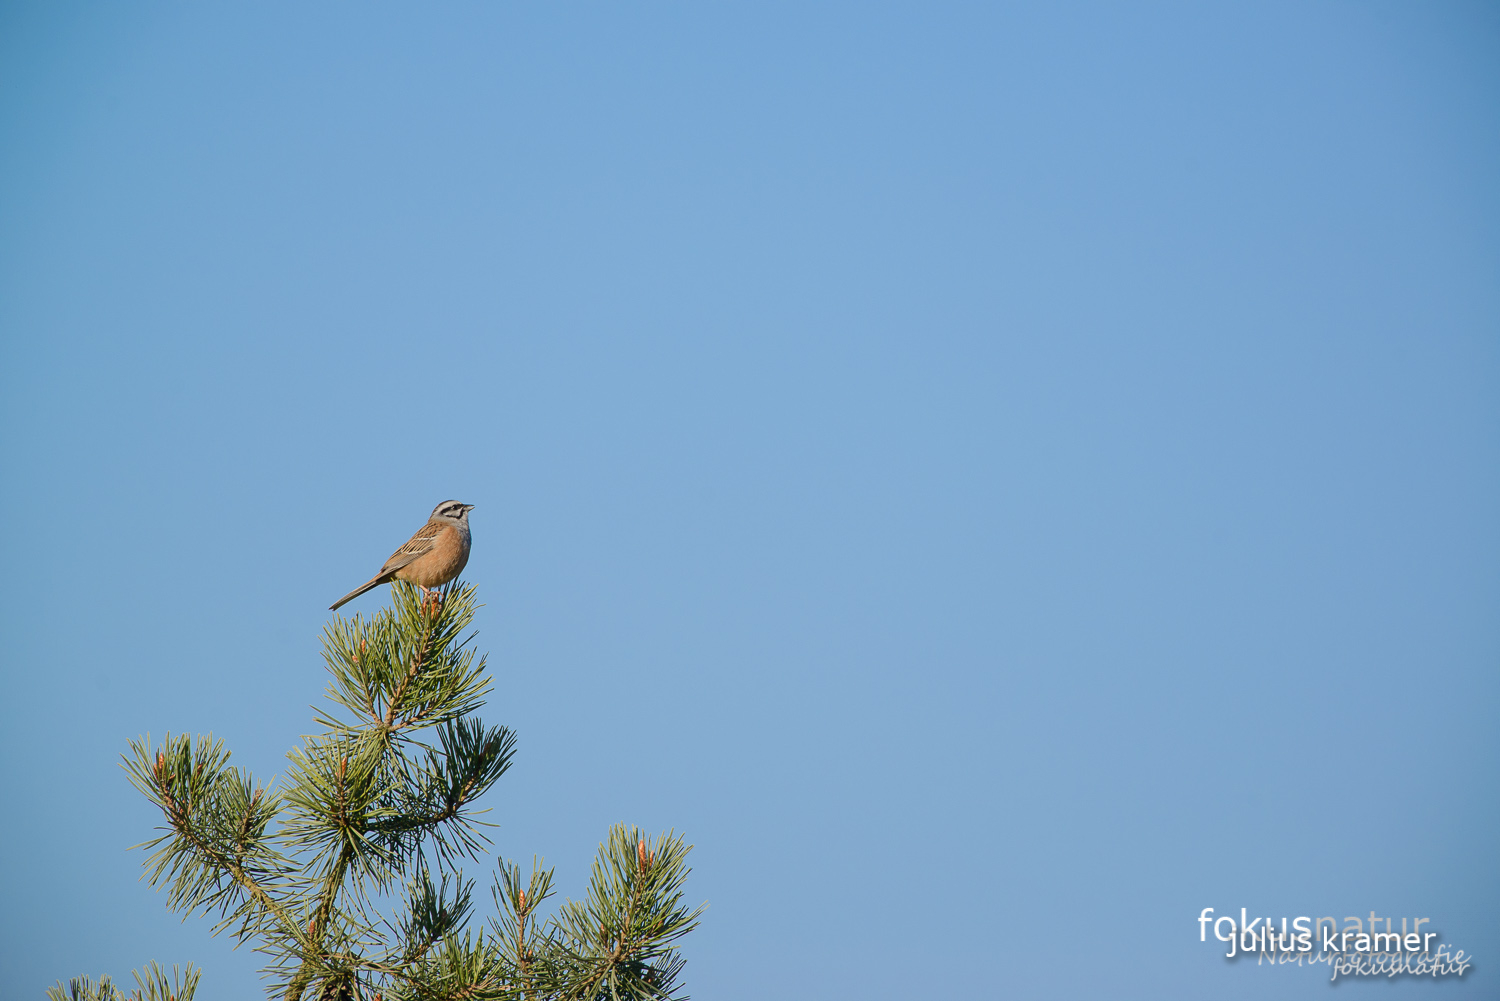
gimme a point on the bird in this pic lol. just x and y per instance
(432, 557)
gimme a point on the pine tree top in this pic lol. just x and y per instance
(347, 871)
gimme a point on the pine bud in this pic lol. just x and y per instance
(640, 854)
(521, 906)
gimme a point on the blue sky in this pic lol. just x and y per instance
(999, 479)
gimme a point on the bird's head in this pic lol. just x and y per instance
(452, 510)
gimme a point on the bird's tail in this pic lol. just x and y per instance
(367, 585)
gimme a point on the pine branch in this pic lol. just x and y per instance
(467, 763)
(618, 942)
(153, 985)
(431, 915)
(409, 667)
(516, 927)
(217, 854)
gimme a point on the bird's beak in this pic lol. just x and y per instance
(468, 507)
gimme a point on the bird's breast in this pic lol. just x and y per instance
(440, 564)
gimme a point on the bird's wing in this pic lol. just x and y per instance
(415, 547)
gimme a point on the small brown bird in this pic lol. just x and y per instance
(431, 558)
